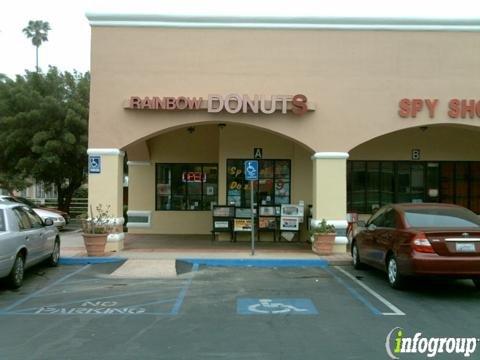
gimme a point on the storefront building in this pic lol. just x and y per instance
(343, 115)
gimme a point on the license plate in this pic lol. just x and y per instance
(465, 247)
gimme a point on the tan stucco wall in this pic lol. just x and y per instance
(356, 78)
(329, 192)
(105, 189)
(210, 144)
(435, 143)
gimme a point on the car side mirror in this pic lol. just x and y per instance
(372, 227)
(48, 222)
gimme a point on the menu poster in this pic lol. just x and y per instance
(242, 225)
(267, 223)
(289, 223)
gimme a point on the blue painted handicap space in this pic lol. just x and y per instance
(264, 306)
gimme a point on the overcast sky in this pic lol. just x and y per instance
(68, 46)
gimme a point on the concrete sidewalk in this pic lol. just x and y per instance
(172, 247)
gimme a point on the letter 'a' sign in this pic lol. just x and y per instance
(94, 164)
(257, 153)
(251, 170)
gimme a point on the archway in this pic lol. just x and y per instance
(435, 163)
(177, 175)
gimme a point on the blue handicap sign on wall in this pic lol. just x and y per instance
(251, 170)
(94, 164)
(265, 306)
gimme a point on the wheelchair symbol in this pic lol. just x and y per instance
(266, 306)
(251, 170)
(94, 164)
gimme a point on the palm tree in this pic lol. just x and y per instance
(38, 31)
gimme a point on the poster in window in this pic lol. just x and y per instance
(163, 189)
(267, 210)
(292, 210)
(267, 223)
(242, 225)
(289, 223)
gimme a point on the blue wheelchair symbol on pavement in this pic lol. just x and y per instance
(251, 170)
(275, 307)
(94, 164)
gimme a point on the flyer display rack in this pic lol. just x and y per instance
(273, 219)
(223, 220)
(268, 220)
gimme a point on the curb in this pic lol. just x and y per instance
(260, 263)
(89, 260)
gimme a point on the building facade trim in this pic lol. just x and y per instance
(330, 155)
(139, 163)
(285, 22)
(116, 152)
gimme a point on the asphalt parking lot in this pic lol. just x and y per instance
(81, 312)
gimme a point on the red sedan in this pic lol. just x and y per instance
(420, 239)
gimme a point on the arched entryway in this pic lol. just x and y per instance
(176, 176)
(434, 163)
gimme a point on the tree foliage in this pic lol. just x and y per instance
(43, 130)
(37, 30)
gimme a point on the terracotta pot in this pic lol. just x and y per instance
(95, 244)
(323, 244)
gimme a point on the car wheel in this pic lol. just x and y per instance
(55, 256)
(395, 279)
(15, 278)
(357, 264)
(476, 281)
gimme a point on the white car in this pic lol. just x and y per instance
(25, 240)
(58, 220)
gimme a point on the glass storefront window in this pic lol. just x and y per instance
(186, 186)
(383, 182)
(387, 183)
(273, 186)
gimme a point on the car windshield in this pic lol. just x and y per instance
(2, 221)
(25, 201)
(442, 218)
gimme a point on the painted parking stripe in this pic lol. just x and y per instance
(395, 310)
(42, 290)
(183, 292)
(355, 293)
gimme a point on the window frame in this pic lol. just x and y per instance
(202, 165)
(274, 178)
(470, 179)
(3, 222)
(17, 210)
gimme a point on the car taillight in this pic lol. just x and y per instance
(421, 244)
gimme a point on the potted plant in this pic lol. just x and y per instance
(96, 230)
(323, 238)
